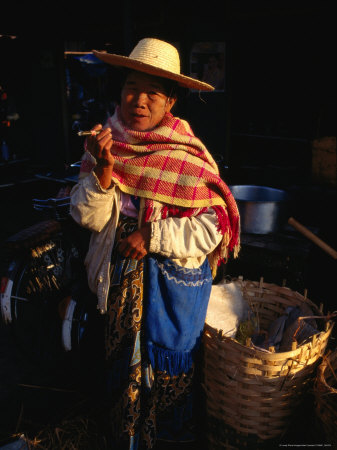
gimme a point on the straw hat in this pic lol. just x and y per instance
(155, 57)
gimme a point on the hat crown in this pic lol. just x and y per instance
(157, 53)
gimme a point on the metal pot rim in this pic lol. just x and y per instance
(241, 192)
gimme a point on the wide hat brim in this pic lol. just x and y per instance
(134, 64)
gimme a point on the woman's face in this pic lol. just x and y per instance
(144, 101)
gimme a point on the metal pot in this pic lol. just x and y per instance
(262, 209)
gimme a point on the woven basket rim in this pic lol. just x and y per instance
(266, 354)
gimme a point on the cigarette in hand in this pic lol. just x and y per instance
(88, 133)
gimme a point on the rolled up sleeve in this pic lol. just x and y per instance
(91, 206)
(185, 237)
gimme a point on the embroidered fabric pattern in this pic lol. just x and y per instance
(188, 276)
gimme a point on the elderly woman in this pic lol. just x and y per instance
(161, 220)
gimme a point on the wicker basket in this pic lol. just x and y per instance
(325, 390)
(253, 391)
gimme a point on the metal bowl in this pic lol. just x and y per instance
(262, 209)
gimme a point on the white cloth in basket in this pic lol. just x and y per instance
(227, 307)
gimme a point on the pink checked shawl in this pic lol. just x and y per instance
(172, 166)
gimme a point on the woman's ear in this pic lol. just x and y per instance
(170, 103)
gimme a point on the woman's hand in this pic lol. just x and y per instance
(136, 245)
(99, 145)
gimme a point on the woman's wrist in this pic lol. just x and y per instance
(104, 174)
